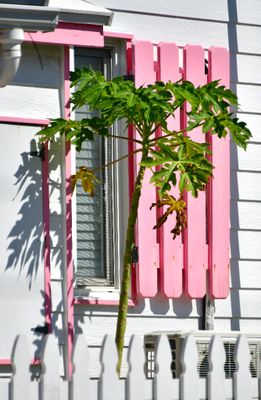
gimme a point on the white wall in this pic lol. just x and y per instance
(35, 93)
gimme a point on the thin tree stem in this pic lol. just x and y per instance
(115, 161)
(127, 261)
(125, 138)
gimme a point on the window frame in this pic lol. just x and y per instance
(120, 197)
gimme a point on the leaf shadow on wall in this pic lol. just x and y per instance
(26, 236)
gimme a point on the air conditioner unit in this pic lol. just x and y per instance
(203, 339)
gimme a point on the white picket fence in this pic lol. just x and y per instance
(189, 386)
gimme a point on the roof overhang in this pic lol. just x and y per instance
(29, 18)
(46, 18)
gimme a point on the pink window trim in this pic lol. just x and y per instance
(69, 34)
(24, 121)
(69, 257)
(100, 302)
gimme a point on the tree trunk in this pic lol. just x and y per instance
(127, 262)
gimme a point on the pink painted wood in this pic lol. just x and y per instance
(70, 34)
(196, 260)
(47, 244)
(24, 121)
(146, 235)
(219, 194)
(101, 302)
(70, 299)
(171, 251)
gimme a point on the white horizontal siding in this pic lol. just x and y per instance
(241, 303)
(246, 185)
(249, 160)
(158, 307)
(30, 102)
(249, 97)
(39, 67)
(247, 12)
(246, 245)
(156, 29)
(254, 124)
(246, 274)
(246, 325)
(245, 215)
(247, 69)
(95, 328)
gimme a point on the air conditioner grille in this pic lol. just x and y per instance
(203, 365)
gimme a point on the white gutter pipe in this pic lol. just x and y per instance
(10, 53)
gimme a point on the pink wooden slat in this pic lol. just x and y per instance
(195, 236)
(171, 251)
(219, 191)
(146, 235)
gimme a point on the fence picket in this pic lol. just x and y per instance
(21, 382)
(80, 384)
(136, 378)
(242, 376)
(163, 377)
(189, 379)
(189, 386)
(216, 375)
(50, 379)
(109, 385)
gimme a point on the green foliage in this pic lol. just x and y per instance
(173, 157)
(179, 160)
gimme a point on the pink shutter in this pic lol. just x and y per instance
(171, 251)
(196, 260)
(219, 191)
(147, 268)
(211, 219)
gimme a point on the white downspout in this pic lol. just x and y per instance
(10, 53)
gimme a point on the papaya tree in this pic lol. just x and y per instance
(173, 157)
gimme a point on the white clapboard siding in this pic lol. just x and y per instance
(178, 30)
(240, 304)
(30, 102)
(247, 12)
(245, 215)
(40, 68)
(246, 185)
(186, 386)
(165, 309)
(253, 122)
(246, 244)
(248, 273)
(246, 160)
(204, 9)
(249, 97)
(247, 69)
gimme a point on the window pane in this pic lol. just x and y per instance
(94, 214)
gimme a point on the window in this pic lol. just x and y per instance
(98, 235)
